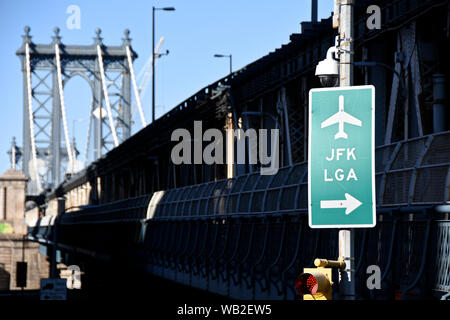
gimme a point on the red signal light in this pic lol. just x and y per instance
(316, 284)
(306, 284)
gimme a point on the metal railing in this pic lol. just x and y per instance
(248, 237)
(413, 172)
(443, 257)
(408, 173)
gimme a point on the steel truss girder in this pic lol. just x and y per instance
(75, 60)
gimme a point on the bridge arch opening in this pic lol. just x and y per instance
(78, 98)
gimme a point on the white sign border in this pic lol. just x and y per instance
(374, 206)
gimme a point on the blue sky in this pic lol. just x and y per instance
(193, 33)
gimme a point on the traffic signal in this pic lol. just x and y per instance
(316, 283)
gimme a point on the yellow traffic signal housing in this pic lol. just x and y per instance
(316, 283)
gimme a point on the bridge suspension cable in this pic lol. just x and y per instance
(148, 64)
(31, 117)
(88, 140)
(105, 93)
(63, 109)
(136, 91)
(144, 77)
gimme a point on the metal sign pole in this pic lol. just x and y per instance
(346, 237)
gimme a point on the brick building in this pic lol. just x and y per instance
(13, 248)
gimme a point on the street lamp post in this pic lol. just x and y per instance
(346, 236)
(328, 72)
(229, 128)
(153, 56)
(226, 56)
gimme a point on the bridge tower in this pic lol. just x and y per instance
(46, 69)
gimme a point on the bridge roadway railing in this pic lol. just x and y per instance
(248, 237)
(415, 172)
(96, 230)
(443, 257)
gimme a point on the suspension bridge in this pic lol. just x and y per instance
(48, 154)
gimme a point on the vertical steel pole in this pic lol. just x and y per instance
(98, 93)
(55, 166)
(153, 65)
(126, 87)
(346, 237)
(61, 204)
(26, 140)
(313, 10)
(230, 145)
(230, 136)
(439, 108)
(126, 100)
(26, 135)
(346, 45)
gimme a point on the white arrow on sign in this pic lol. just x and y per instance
(350, 203)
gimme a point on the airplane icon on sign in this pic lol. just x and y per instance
(341, 117)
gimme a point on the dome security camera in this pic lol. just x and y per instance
(328, 70)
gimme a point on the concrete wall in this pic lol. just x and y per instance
(12, 230)
(12, 202)
(11, 252)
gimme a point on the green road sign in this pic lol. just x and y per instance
(341, 157)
